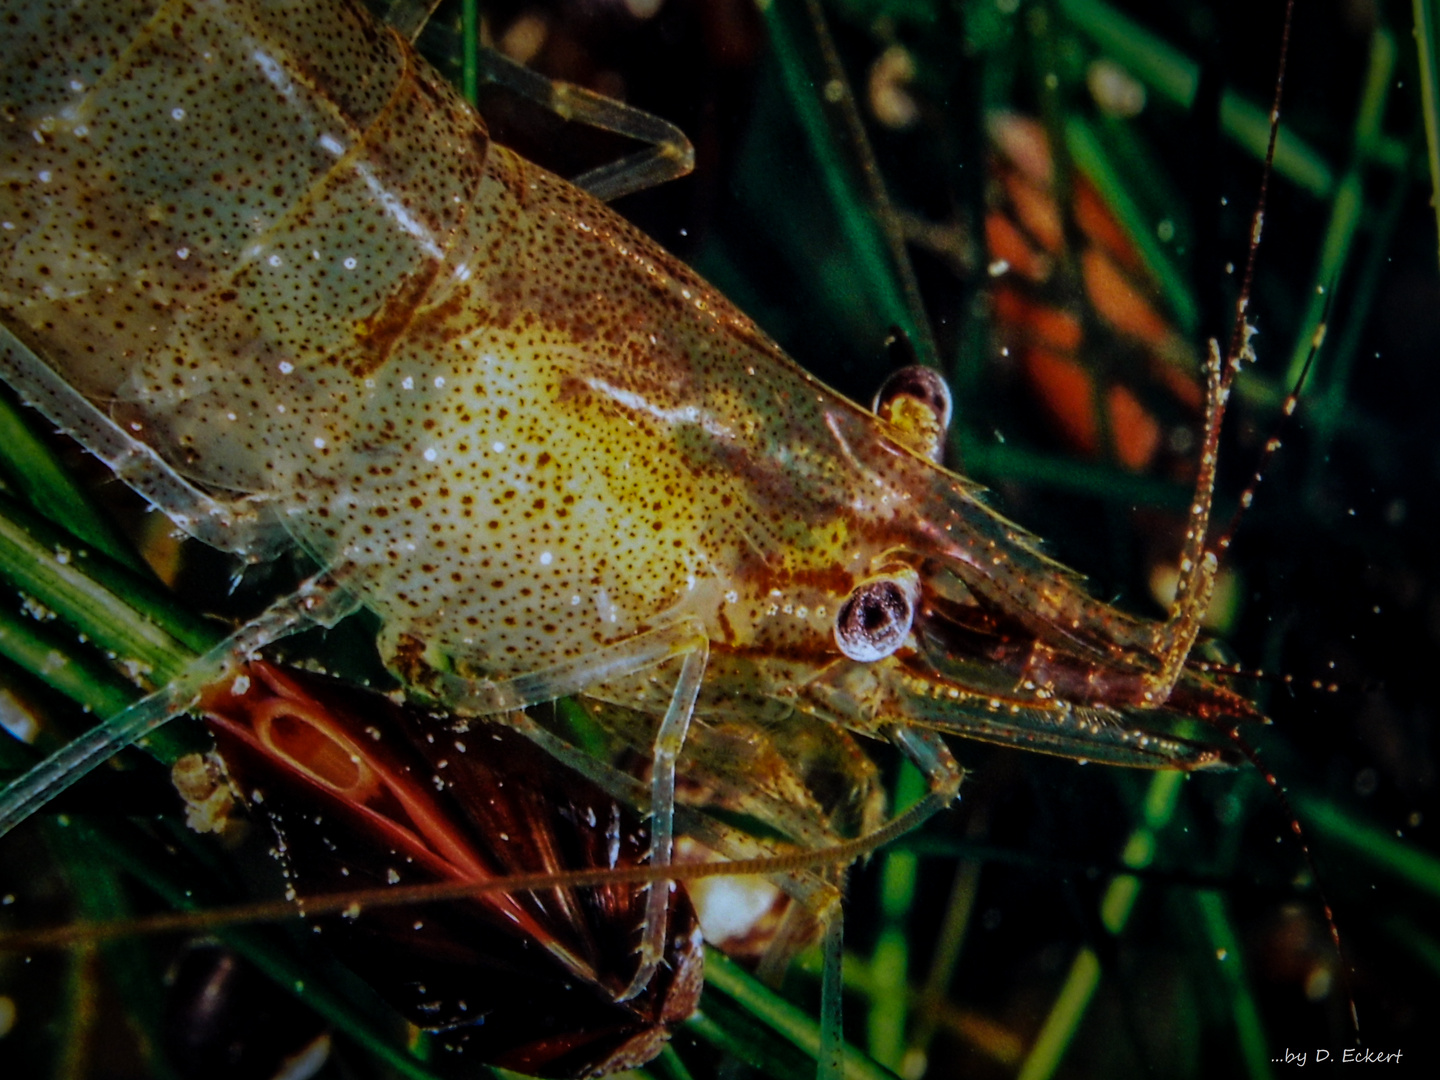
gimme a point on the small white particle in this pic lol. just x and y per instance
(182, 253)
(274, 260)
(45, 176)
(286, 367)
(407, 383)
(439, 381)
(498, 447)
(430, 454)
(177, 114)
(546, 558)
(350, 263)
(319, 443)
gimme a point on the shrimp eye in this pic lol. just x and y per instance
(875, 619)
(917, 400)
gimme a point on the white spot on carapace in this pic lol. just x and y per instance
(350, 263)
(430, 454)
(286, 367)
(546, 558)
(498, 447)
(319, 443)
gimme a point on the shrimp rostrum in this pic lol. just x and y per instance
(547, 455)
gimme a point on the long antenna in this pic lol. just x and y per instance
(1238, 351)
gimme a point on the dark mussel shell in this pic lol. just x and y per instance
(364, 793)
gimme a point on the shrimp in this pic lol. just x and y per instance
(548, 456)
(543, 452)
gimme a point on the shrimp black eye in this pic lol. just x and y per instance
(875, 619)
(923, 384)
(917, 400)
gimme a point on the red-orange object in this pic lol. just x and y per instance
(367, 793)
(1052, 304)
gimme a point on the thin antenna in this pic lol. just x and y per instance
(1239, 350)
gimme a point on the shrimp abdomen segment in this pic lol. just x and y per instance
(224, 205)
(143, 151)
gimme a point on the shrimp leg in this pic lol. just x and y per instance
(818, 896)
(235, 527)
(686, 641)
(669, 154)
(316, 603)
